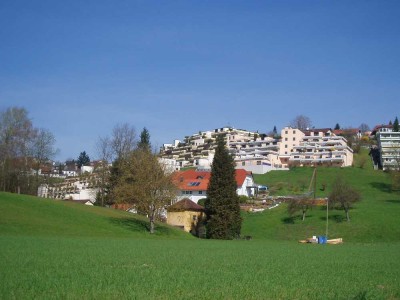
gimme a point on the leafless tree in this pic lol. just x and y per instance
(343, 196)
(123, 140)
(42, 148)
(301, 122)
(104, 152)
(302, 204)
(15, 135)
(144, 182)
(363, 128)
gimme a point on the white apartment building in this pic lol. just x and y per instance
(259, 153)
(258, 156)
(199, 149)
(72, 189)
(389, 146)
(315, 147)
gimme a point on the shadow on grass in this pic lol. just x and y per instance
(383, 187)
(335, 218)
(137, 225)
(292, 220)
(361, 296)
(394, 201)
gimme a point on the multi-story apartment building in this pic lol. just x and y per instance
(260, 153)
(259, 156)
(199, 149)
(389, 147)
(315, 147)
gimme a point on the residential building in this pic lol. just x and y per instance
(389, 146)
(184, 214)
(74, 188)
(199, 149)
(193, 184)
(317, 147)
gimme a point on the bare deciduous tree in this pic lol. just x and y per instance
(343, 196)
(42, 148)
(104, 151)
(302, 204)
(301, 122)
(123, 140)
(15, 135)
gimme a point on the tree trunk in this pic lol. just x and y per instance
(304, 215)
(347, 214)
(151, 218)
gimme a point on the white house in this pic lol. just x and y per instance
(192, 184)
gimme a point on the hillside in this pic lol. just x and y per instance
(374, 219)
(27, 215)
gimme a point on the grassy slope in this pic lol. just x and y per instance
(54, 249)
(27, 215)
(374, 219)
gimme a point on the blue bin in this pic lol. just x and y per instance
(322, 239)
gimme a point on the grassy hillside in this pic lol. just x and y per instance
(374, 219)
(57, 249)
(27, 215)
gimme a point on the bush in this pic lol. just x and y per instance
(202, 201)
(243, 199)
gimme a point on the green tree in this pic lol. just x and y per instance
(396, 125)
(343, 196)
(223, 220)
(337, 126)
(144, 142)
(83, 159)
(144, 182)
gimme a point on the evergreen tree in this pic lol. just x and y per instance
(396, 125)
(144, 142)
(337, 126)
(223, 220)
(83, 159)
(274, 131)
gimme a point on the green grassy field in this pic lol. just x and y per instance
(56, 249)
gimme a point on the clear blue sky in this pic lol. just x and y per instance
(177, 67)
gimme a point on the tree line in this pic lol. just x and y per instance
(23, 148)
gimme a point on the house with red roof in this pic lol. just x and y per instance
(192, 184)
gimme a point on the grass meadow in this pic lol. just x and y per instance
(62, 250)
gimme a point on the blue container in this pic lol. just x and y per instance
(322, 239)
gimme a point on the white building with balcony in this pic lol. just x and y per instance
(389, 146)
(314, 147)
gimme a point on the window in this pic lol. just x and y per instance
(200, 192)
(294, 131)
(194, 218)
(258, 162)
(294, 139)
(286, 132)
(285, 146)
(243, 163)
(286, 139)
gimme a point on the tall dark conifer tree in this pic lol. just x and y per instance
(144, 143)
(396, 125)
(222, 205)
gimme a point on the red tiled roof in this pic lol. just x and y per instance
(346, 131)
(193, 180)
(185, 205)
(377, 127)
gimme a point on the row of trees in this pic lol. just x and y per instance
(342, 196)
(23, 148)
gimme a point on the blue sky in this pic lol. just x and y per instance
(177, 67)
